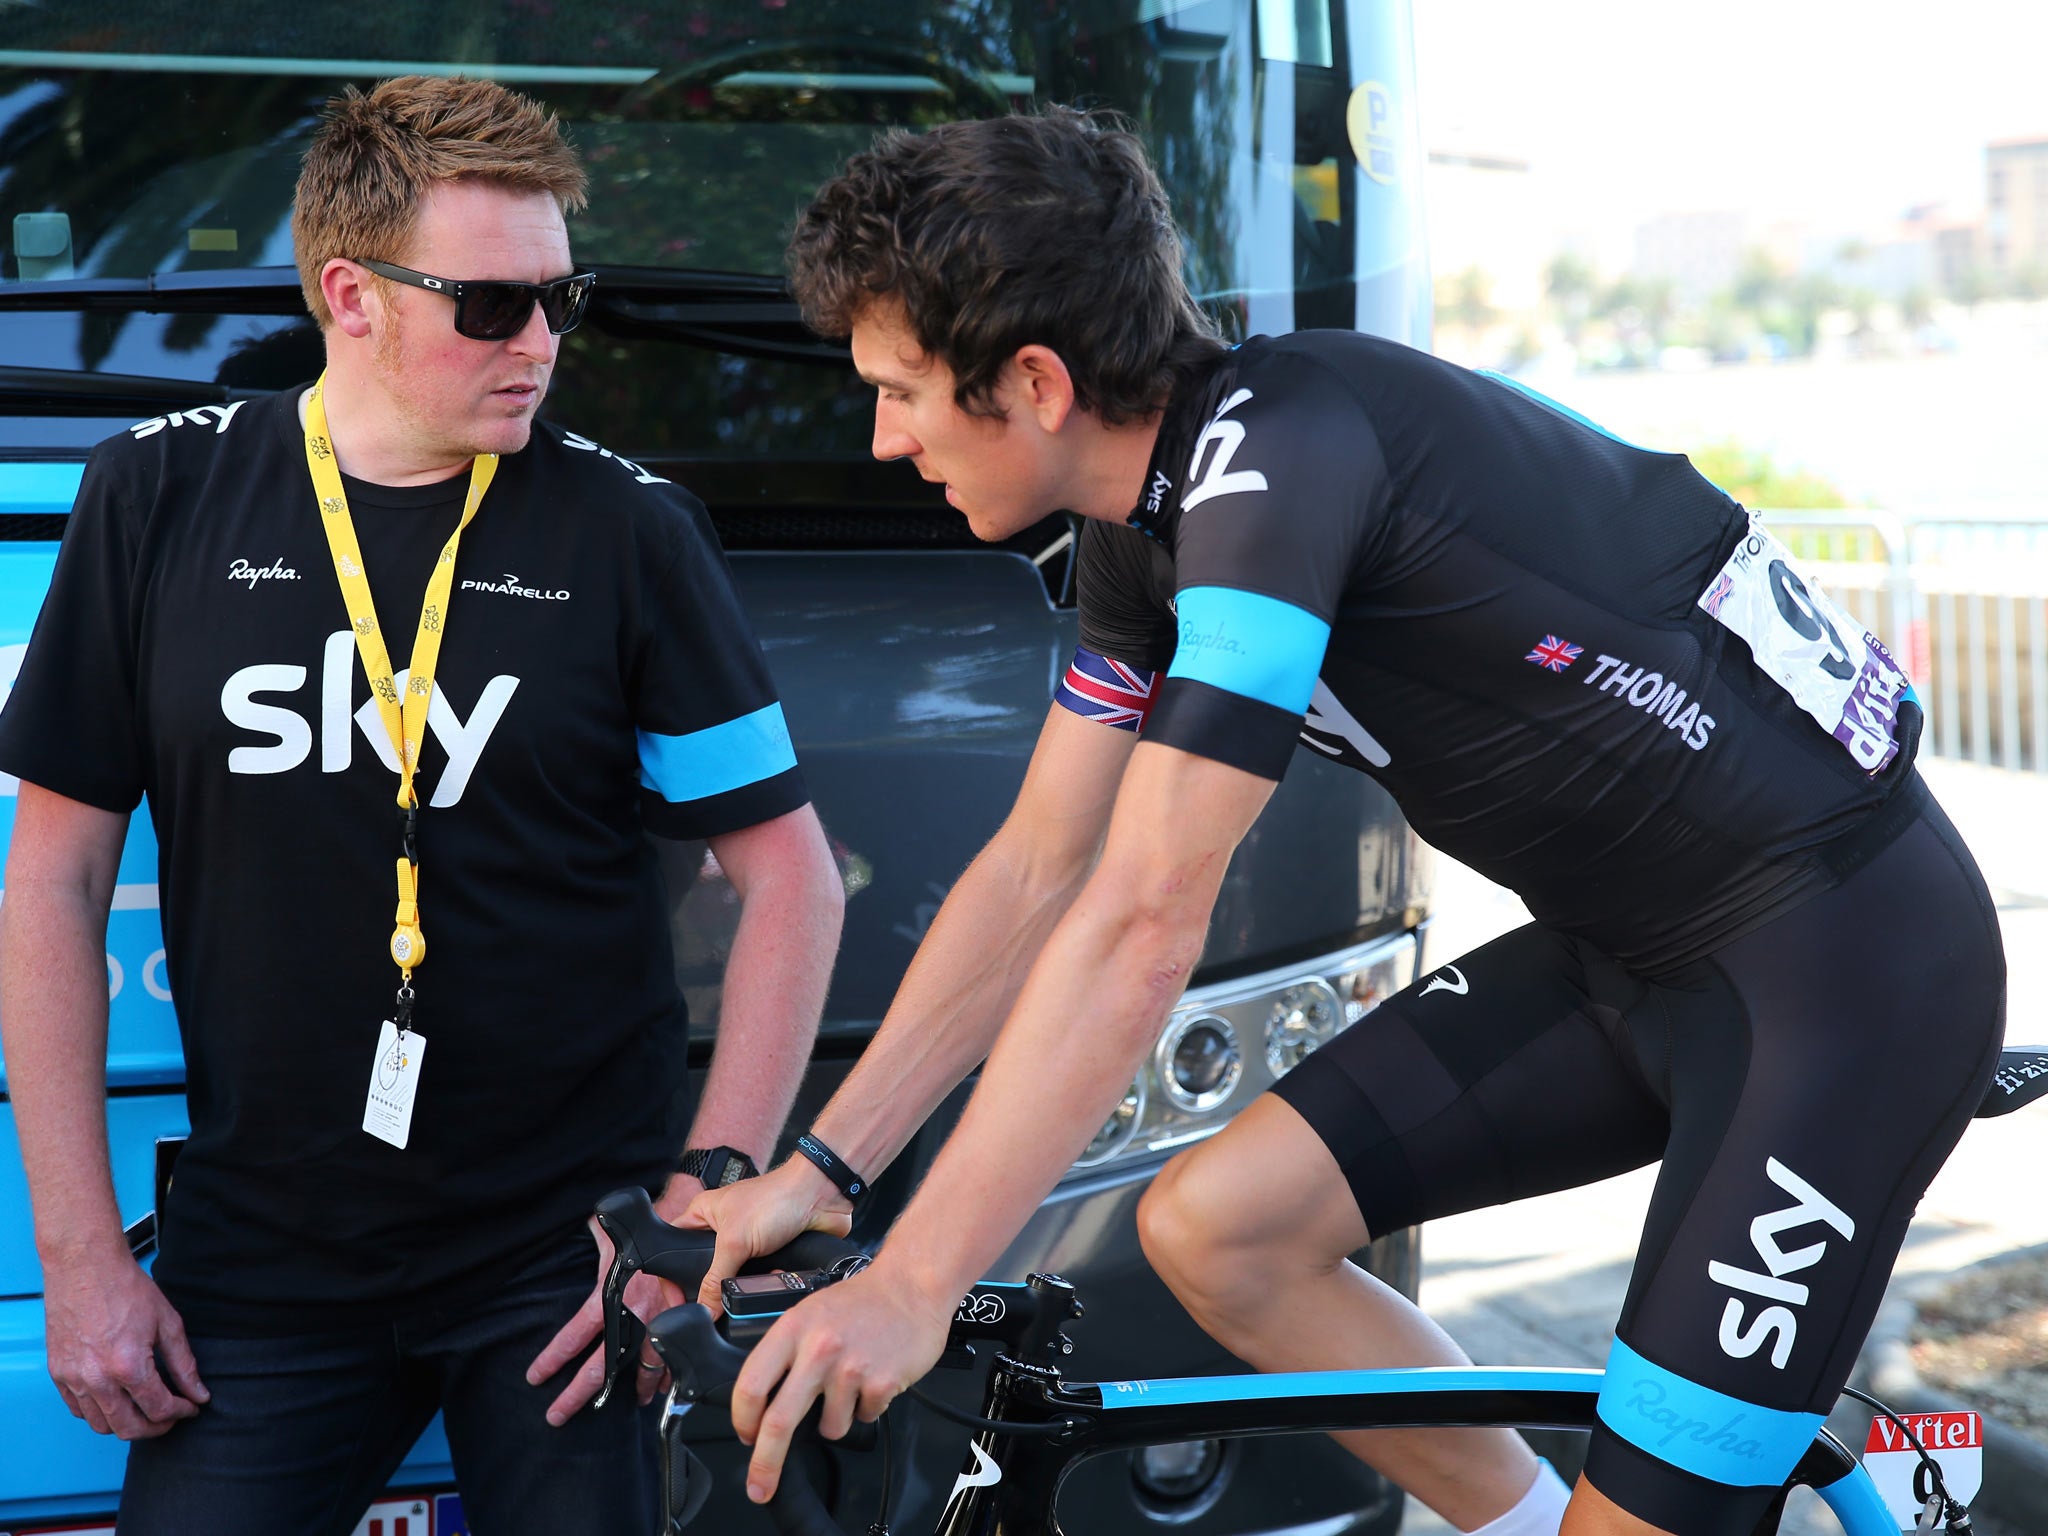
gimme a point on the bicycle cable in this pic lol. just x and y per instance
(1046, 1430)
(886, 1433)
(1954, 1515)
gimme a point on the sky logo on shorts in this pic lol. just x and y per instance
(1553, 654)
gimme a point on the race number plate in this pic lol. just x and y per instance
(1835, 669)
(1955, 1440)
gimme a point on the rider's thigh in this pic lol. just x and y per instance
(1265, 1185)
(1504, 1075)
(518, 1473)
(1822, 1068)
(301, 1433)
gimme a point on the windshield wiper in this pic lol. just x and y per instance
(231, 291)
(741, 312)
(751, 314)
(58, 390)
(268, 290)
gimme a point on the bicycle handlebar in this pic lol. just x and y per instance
(1025, 1320)
(643, 1243)
(705, 1365)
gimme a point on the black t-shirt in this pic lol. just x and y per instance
(1518, 623)
(597, 681)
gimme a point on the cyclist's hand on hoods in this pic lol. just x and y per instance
(757, 1216)
(854, 1345)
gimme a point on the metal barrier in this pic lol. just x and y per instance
(1962, 602)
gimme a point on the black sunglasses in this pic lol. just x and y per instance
(498, 311)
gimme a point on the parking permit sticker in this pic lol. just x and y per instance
(1834, 668)
(407, 1515)
(1955, 1440)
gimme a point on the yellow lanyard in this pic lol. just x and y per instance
(404, 720)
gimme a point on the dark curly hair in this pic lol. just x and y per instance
(1049, 227)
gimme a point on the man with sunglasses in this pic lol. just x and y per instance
(406, 678)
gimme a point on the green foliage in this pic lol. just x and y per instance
(1753, 478)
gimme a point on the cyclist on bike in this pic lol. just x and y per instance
(1760, 952)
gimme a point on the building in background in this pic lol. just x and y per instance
(2016, 200)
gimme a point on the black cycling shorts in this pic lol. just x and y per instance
(1802, 1085)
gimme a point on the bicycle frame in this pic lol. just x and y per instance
(1011, 1481)
(1037, 1426)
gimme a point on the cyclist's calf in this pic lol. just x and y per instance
(1251, 1231)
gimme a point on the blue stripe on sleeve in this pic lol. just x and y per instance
(1556, 405)
(723, 757)
(1255, 647)
(1699, 1430)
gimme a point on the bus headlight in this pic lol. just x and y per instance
(1229, 1042)
(1118, 1130)
(1301, 1019)
(1200, 1060)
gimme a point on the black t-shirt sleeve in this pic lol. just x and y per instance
(1122, 615)
(69, 725)
(1285, 491)
(715, 751)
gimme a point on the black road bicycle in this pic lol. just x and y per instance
(1035, 1426)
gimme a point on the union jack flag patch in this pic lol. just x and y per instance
(1097, 688)
(1554, 654)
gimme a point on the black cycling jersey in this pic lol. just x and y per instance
(1578, 666)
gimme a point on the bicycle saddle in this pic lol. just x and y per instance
(2021, 1078)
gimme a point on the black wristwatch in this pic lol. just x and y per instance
(715, 1167)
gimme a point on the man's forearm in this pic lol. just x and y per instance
(53, 1010)
(773, 996)
(1095, 1002)
(952, 1003)
(1048, 1087)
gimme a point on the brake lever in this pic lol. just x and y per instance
(641, 1243)
(624, 1266)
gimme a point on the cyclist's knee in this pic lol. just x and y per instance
(1223, 1214)
(1172, 1228)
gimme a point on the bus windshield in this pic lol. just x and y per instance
(146, 137)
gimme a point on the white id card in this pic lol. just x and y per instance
(394, 1080)
(1834, 668)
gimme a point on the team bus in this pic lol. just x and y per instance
(147, 156)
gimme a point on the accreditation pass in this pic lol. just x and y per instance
(394, 1081)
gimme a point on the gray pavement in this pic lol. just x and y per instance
(1541, 1282)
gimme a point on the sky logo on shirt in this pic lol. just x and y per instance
(215, 416)
(290, 735)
